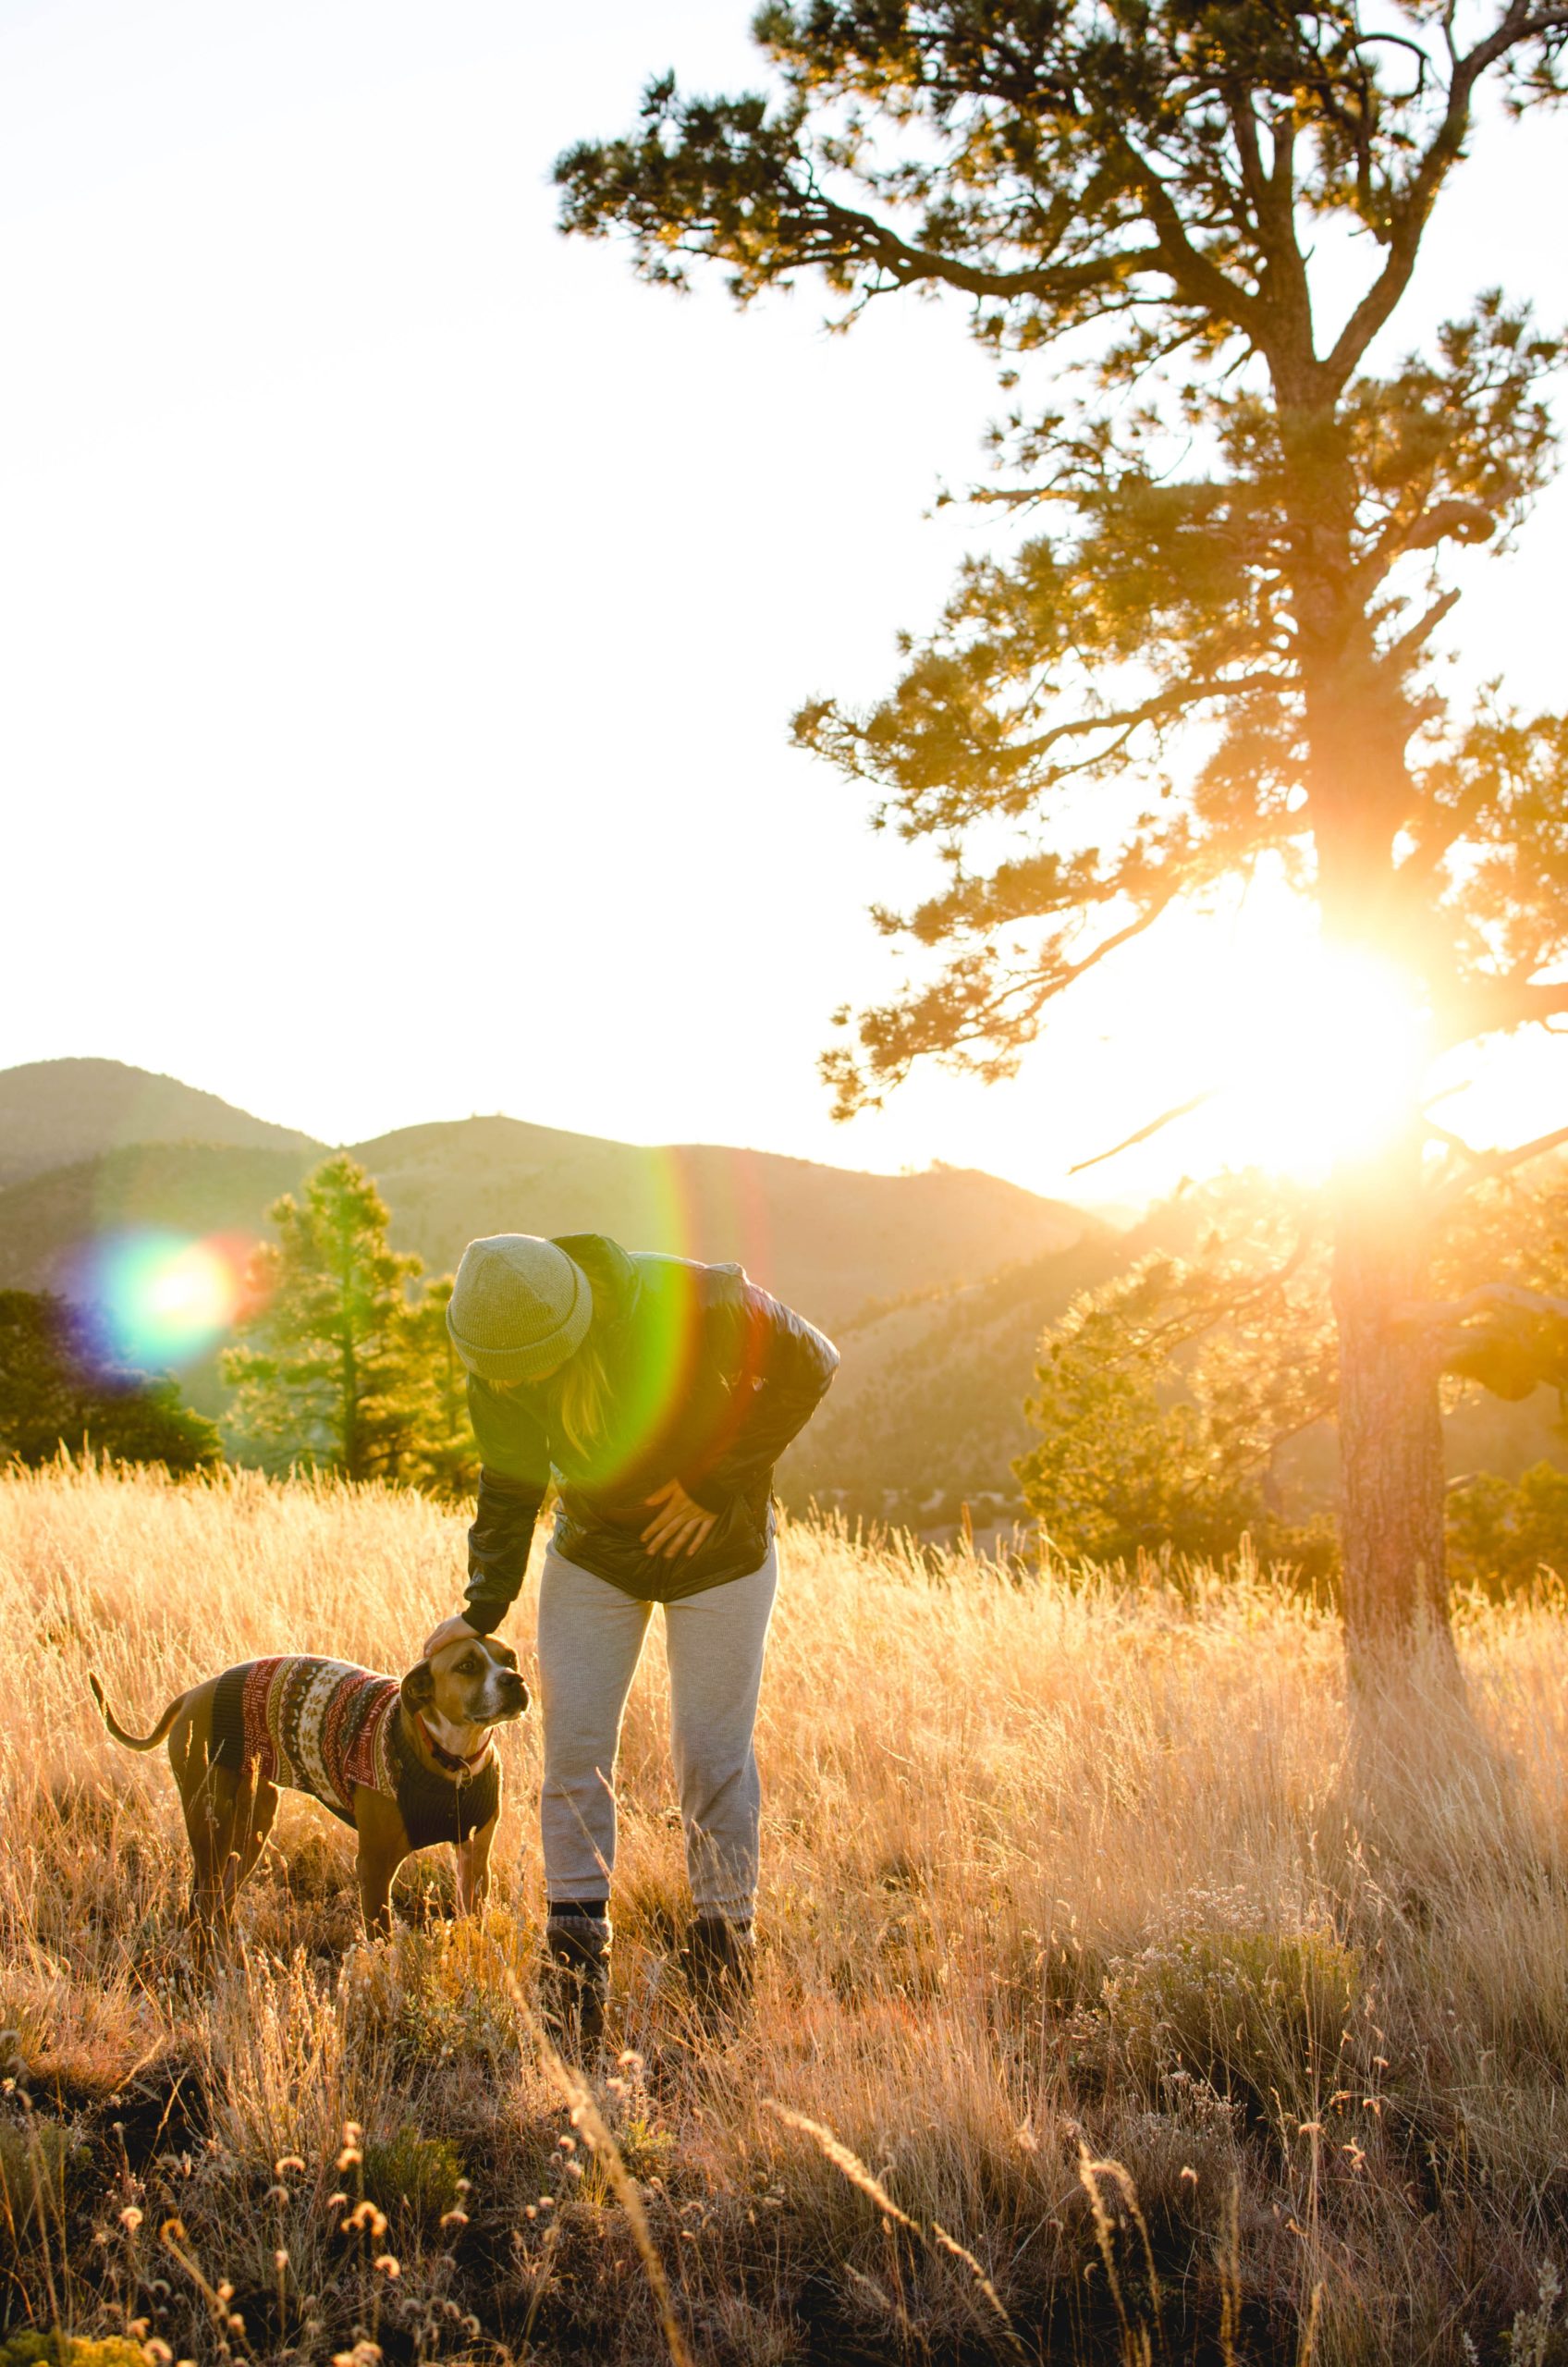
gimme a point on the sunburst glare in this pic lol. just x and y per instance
(1324, 1061)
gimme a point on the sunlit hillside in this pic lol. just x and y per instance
(76, 1175)
(57, 1113)
(928, 1409)
(1173, 2024)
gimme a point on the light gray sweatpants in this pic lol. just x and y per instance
(591, 1636)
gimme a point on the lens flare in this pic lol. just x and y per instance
(689, 1202)
(161, 1298)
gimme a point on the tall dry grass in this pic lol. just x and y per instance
(1122, 1997)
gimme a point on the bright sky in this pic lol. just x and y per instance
(403, 609)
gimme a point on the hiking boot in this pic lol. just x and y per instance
(575, 1986)
(720, 1957)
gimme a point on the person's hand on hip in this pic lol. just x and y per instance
(680, 1523)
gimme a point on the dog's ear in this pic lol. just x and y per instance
(418, 1688)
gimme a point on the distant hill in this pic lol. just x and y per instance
(938, 1286)
(56, 1113)
(197, 1188)
(828, 1239)
(928, 1409)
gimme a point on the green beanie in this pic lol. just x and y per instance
(520, 1306)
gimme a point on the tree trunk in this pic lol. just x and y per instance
(347, 1356)
(1391, 1482)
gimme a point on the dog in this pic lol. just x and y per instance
(406, 1763)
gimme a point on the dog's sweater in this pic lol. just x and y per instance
(325, 1727)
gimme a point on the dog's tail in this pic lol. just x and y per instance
(137, 1742)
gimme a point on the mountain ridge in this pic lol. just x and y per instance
(831, 1239)
(56, 1113)
(939, 1314)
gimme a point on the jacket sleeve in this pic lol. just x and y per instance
(779, 1366)
(514, 1475)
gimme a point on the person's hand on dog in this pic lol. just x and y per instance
(451, 1631)
(679, 1522)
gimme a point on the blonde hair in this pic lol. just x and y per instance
(581, 1394)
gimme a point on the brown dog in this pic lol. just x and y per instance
(406, 1764)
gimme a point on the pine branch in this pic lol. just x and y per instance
(1382, 300)
(1451, 1313)
(854, 236)
(1488, 1164)
(1496, 1006)
(1401, 653)
(1166, 1118)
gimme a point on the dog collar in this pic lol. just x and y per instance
(451, 1760)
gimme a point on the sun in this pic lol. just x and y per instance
(1237, 1038)
(1266, 1046)
(1325, 1059)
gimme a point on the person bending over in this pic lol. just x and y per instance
(658, 1393)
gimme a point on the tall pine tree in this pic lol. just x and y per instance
(1183, 229)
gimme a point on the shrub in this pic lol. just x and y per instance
(1257, 2015)
(1501, 1533)
(56, 1392)
(421, 2173)
(38, 2159)
(57, 2349)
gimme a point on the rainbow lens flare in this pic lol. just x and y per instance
(160, 1298)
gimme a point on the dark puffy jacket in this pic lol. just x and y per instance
(709, 1379)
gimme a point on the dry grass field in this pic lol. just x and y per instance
(1164, 2019)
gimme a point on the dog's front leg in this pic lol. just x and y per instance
(375, 1892)
(473, 1867)
(383, 1845)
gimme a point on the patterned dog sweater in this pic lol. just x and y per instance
(325, 1727)
(312, 1726)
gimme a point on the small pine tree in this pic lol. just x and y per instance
(1119, 1468)
(324, 1370)
(1166, 1397)
(446, 1458)
(1502, 1534)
